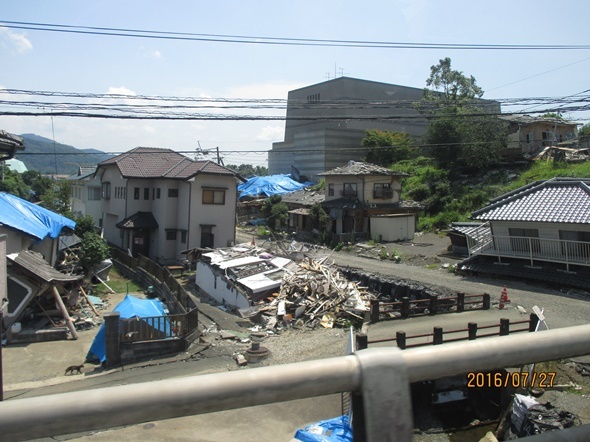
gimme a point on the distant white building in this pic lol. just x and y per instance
(16, 165)
(86, 195)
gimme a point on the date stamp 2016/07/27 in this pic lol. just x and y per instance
(542, 379)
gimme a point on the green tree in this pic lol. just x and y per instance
(248, 170)
(388, 147)
(84, 224)
(462, 132)
(319, 219)
(39, 184)
(585, 130)
(57, 197)
(14, 184)
(275, 212)
(93, 250)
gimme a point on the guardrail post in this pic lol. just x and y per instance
(112, 339)
(504, 327)
(460, 302)
(486, 301)
(400, 339)
(472, 327)
(405, 307)
(437, 335)
(533, 321)
(433, 305)
(374, 311)
(386, 400)
(362, 341)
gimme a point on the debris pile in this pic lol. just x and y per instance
(315, 294)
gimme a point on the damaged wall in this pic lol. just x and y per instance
(213, 282)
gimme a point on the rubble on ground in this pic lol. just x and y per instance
(314, 294)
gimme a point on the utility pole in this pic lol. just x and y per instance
(219, 159)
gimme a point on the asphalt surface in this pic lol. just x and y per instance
(37, 369)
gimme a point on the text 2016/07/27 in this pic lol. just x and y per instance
(514, 380)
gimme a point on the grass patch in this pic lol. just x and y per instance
(433, 266)
(117, 282)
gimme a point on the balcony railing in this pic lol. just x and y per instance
(382, 376)
(532, 249)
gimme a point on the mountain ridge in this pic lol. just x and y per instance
(49, 157)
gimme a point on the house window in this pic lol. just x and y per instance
(213, 196)
(146, 193)
(136, 193)
(172, 193)
(93, 193)
(170, 235)
(183, 236)
(158, 193)
(575, 245)
(524, 240)
(382, 191)
(349, 190)
(331, 189)
(106, 190)
(313, 98)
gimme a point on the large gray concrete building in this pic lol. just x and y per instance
(326, 123)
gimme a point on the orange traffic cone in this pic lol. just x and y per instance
(504, 295)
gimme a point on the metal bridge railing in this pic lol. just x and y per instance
(381, 377)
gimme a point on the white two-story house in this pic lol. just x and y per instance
(86, 194)
(157, 203)
(363, 200)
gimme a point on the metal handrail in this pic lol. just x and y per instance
(131, 404)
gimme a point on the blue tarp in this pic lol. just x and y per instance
(130, 307)
(332, 430)
(30, 218)
(270, 185)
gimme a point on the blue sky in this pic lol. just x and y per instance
(54, 61)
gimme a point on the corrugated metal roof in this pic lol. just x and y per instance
(559, 200)
(152, 162)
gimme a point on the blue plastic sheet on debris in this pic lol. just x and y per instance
(270, 185)
(337, 429)
(130, 307)
(30, 218)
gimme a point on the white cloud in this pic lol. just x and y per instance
(150, 53)
(19, 41)
(120, 91)
(270, 133)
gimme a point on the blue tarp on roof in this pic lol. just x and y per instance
(129, 307)
(270, 185)
(29, 218)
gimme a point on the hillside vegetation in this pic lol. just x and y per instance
(450, 198)
(45, 156)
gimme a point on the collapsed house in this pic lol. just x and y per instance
(268, 288)
(41, 296)
(239, 276)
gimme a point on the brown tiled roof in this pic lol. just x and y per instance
(359, 168)
(152, 162)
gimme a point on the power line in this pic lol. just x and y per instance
(258, 40)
